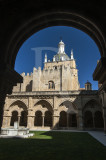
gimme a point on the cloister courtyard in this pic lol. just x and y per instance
(50, 145)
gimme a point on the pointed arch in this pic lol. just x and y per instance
(91, 101)
(45, 104)
(68, 104)
(19, 102)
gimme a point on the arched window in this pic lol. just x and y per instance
(51, 85)
(14, 118)
(29, 87)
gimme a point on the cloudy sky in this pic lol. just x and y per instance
(86, 52)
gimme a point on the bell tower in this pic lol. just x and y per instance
(61, 47)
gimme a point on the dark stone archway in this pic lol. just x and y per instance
(72, 120)
(20, 19)
(98, 119)
(38, 118)
(63, 119)
(23, 118)
(88, 119)
(48, 119)
(14, 118)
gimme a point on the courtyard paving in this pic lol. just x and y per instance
(99, 135)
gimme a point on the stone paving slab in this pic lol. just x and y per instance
(99, 135)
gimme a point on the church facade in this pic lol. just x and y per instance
(52, 98)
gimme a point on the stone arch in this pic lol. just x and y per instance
(21, 108)
(93, 105)
(18, 102)
(12, 110)
(54, 18)
(92, 113)
(69, 105)
(91, 101)
(45, 104)
(40, 109)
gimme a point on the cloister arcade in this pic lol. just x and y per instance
(43, 115)
(93, 115)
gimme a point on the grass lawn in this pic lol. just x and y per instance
(53, 146)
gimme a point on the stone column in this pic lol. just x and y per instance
(19, 120)
(30, 103)
(9, 120)
(67, 120)
(55, 122)
(93, 115)
(43, 116)
(6, 121)
(80, 120)
(30, 119)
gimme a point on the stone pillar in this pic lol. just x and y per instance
(55, 122)
(43, 120)
(9, 120)
(6, 121)
(93, 115)
(19, 120)
(67, 120)
(80, 124)
(30, 103)
(30, 119)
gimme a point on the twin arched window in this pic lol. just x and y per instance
(51, 85)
